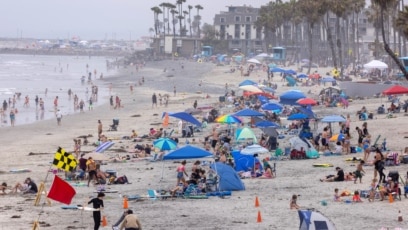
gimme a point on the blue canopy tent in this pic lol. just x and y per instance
(290, 97)
(290, 71)
(247, 82)
(277, 70)
(244, 162)
(228, 177)
(248, 113)
(185, 117)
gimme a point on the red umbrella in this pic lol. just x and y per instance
(396, 89)
(306, 101)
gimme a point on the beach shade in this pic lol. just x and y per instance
(228, 119)
(165, 144)
(297, 116)
(310, 114)
(253, 149)
(337, 137)
(375, 64)
(248, 113)
(245, 133)
(301, 75)
(187, 152)
(272, 106)
(263, 99)
(311, 219)
(396, 89)
(306, 101)
(328, 79)
(185, 117)
(277, 70)
(251, 88)
(265, 123)
(96, 156)
(290, 71)
(272, 65)
(253, 61)
(268, 89)
(291, 81)
(290, 97)
(104, 146)
(229, 179)
(247, 82)
(333, 118)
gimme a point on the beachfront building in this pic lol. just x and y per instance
(237, 25)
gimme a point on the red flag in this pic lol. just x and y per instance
(61, 191)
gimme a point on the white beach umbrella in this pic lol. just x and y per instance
(253, 61)
(375, 64)
(251, 88)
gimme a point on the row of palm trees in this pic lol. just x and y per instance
(173, 14)
(277, 14)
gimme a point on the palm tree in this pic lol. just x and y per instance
(271, 18)
(356, 9)
(180, 17)
(198, 7)
(156, 11)
(174, 21)
(402, 21)
(164, 5)
(190, 7)
(384, 5)
(169, 8)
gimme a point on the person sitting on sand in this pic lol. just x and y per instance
(293, 204)
(152, 132)
(179, 188)
(337, 197)
(3, 188)
(356, 197)
(338, 177)
(134, 134)
(388, 189)
(158, 133)
(27, 187)
(268, 174)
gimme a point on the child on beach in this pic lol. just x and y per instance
(293, 204)
(181, 170)
(336, 195)
(356, 197)
(358, 173)
(373, 187)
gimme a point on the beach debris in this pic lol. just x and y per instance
(136, 115)
(48, 134)
(170, 75)
(34, 154)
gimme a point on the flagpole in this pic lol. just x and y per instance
(38, 198)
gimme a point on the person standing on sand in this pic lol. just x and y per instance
(97, 203)
(56, 103)
(12, 117)
(195, 104)
(111, 102)
(58, 114)
(131, 222)
(99, 129)
(154, 100)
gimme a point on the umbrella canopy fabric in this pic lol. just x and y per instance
(375, 64)
(297, 116)
(301, 75)
(245, 133)
(328, 79)
(185, 117)
(277, 70)
(229, 179)
(333, 118)
(310, 114)
(396, 89)
(247, 82)
(187, 152)
(165, 144)
(272, 106)
(291, 81)
(291, 96)
(266, 123)
(251, 88)
(290, 71)
(253, 61)
(228, 118)
(248, 113)
(252, 149)
(96, 156)
(306, 101)
(272, 65)
(337, 137)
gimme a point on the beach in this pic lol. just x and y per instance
(193, 81)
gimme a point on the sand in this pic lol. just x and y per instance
(235, 212)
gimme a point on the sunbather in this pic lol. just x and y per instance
(27, 187)
(293, 204)
(338, 177)
(3, 187)
(179, 188)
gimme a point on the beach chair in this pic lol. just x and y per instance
(154, 195)
(114, 126)
(392, 159)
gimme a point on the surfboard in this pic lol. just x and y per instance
(19, 170)
(322, 165)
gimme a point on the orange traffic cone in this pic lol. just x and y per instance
(125, 203)
(259, 219)
(390, 198)
(104, 221)
(256, 201)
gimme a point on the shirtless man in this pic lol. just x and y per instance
(214, 138)
(99, 128)
(325, 137)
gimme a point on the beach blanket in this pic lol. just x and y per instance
(322, 165)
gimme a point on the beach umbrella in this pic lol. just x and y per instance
(337, 137)
(306, 101)
(187, 152)
(272, 106)
(291, 96)
(96, 156)
(248, 113)
(268, 89)
(277, 70)
(302, 75)
(228, 119)
(251, 88)
(291, 81)
(333, 118)
(245, 133)
(165, 144)
(253, 61)
(290, 71)
(185, 117)
(247, 82)
(272, 65)
(265, 123)
(252, 149)
(297, 116)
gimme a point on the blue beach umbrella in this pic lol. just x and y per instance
(264, 124)
(302, 75)
(247, 82)
(290, 71)
(248, 113)
(272, 106)
(297, 116)
(277, 70)
(165, 144)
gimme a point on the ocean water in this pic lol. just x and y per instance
(48, 77)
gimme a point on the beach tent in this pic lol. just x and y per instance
(396, 89)
(247, 82)
(185, 117)
(290, 97)
(228, 177)
(244, 162)
(314, 220)
(375, 64)
(187, 152)
(299, 143)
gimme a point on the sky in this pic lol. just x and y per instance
(93, 19)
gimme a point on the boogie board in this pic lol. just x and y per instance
(134, 197)
(322, 165)
(75, 207)
(80, 184)
(19, 170)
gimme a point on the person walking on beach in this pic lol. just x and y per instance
(154, 100)
(5, 105)
(131, 222)
(90, 104)
(181, 170)
(99, 128)
(12, 117)
(97, 204)
(111, 102)
(58, 114)
(56, 103)
(36, 101)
